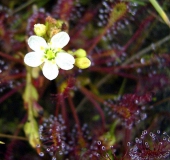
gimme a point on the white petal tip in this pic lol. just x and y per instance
(50, 70)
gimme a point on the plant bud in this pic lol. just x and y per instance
(82, 62)
(80, 53)
(40, 29)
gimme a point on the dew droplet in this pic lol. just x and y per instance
(151, 134)
(128, 144)
(165, 133)
(160, 143)
(160, 156)
(168, 139)
(158, 131)
(48, 149)
(146, 144)
(97, 154)
(38, 146)
(136, 101)
(164, 138)
(137, 140)
(145, 132)
(142, 137)
(41, 154)
(142, 60)
(60, 152)
(99, 143)
(107, 155)
(103, 147)
(54, 158)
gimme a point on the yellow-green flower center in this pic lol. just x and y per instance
(50, 54)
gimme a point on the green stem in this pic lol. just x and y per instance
(30, 96)
(122, 87)
(13, 137)
(160, 11)
(22, 6)
(29, 93)
(145, 50)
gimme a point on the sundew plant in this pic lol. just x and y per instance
(85, 80)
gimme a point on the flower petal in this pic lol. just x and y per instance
(37, 43)
(50, 70)
(65, 61)
(33, 59)
(60, 40)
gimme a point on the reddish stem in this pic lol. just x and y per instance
(88, 16)
(103, 54)
(115, 72)
(74, 113)
(7, 56)
(142, 27)
(92, 98)
(63, 109)
(117, 68)
(97, 39)
(57, 108)
(11, 77)
(127, 138)
(10, 93)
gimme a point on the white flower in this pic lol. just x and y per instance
(51, 54)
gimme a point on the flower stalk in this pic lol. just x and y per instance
(30, 95)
